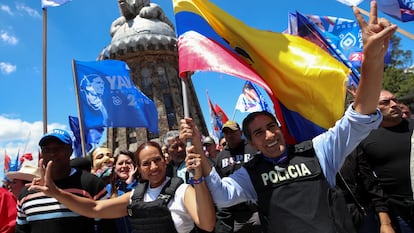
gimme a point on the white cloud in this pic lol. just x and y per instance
(6, 9)
(18, 136)
(30, 11)
(7, 68)
(9, 39)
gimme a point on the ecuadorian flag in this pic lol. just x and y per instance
(306, 84)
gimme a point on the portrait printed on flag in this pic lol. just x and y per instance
(92, 89)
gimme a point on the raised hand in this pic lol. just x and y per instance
(376, 33)
(194, 162)
(188, 130)
(45, 183)
(131, 173)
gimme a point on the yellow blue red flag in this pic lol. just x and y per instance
(306, 84)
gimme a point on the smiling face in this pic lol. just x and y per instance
(123, 165)
(152, 165)
(266, 136)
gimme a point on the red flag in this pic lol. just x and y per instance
(27, 156)
(7, 161)
(221, 114)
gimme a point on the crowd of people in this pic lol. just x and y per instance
(355, 177)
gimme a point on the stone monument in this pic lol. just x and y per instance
(145, 39)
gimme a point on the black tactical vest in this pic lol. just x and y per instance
(295, 196)
(154, 216)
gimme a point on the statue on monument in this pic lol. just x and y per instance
(132, 11)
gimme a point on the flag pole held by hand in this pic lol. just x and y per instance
(186, 112)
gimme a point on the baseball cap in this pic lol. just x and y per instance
(208, 140)
(60, 134)
(231, 125)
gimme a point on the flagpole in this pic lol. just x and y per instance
(44, 70)
(80, 115)
(186, 111)
(27, 141)
(234, 114)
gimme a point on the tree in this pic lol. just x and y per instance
(398, 77)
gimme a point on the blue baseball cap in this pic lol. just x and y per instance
(60, 134)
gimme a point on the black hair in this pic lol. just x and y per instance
(251, 117)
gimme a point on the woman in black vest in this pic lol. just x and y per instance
(159, 204)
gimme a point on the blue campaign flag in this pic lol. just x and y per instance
(344, 35)
(108, 98)
(92, 136)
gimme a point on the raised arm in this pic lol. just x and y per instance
(109, 208)
(376, 34)
(198, 199)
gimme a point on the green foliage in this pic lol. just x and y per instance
(399, 75)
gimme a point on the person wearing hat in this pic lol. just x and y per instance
(244, 216)
(20, 178)
(210, 147)
(38, 213)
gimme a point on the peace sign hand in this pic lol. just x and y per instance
(45, 183)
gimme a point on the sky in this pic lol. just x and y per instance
(80, 30)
